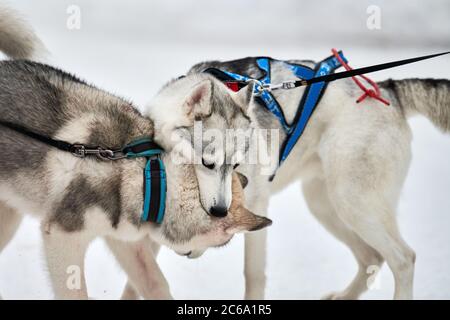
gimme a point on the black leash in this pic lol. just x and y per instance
(82, 150)
(351, 73)
(154, 186)
(62, 145)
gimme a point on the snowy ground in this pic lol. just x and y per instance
(304, 261)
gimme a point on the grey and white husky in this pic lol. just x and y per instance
(78, 199)
(352, 160)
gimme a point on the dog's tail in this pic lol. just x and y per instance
(429, 97)
(17, 38)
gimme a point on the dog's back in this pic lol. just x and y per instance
(29, 99)
(55, 104)
(43, 99)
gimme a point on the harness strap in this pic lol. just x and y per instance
(155, 186)
(264, 96)
(373, 93)
(267, 97)
(155, 189)
(143, 147)
(236, 81)
(316, 81)
(310, 99)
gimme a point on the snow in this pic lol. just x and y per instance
(132, 49)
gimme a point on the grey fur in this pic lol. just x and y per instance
(77, 199)
(49, 101)
(223, 109)
(44, 99)
(245, 66)
(81, 195)
(430, 97)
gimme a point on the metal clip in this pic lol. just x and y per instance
(114, 155)
(79, 150)
(103, 154)
(286, 85)
(258, 86)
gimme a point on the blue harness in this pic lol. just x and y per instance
(307, 105)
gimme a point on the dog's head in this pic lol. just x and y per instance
(203, 121)
(187, 228)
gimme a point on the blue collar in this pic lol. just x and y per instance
(308, 103)
(155, 186)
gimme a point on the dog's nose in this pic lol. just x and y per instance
(218, 211)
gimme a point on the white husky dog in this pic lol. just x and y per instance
(352, 160)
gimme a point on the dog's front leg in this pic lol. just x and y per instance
(129, 292)
(255, 255)
(138, 261)
(65, 252)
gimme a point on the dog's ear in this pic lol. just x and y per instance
(243, 220)
(243, 179)
(198, 102)
(244, 97)
(246, 221)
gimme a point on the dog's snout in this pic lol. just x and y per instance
(218, 211)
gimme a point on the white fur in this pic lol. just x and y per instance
(351, 173)
(352, 161)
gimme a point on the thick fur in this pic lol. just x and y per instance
(177, 121)
(17, 38)
(429, 97)
(352, 161)
(77, 199)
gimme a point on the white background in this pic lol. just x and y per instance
(132, 48)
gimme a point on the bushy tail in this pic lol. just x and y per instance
(17, 38)
(429, 97)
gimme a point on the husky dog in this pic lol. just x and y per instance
(352, 160)
(78, 199)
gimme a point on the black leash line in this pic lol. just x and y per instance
(352, 73)
(78, 150)
(62, 145)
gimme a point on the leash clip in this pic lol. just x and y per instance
(285, 85)
(81, 151)
(104, 154)
(78, 150)
(258, 86)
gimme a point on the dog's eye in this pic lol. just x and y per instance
(210, 166)
(235, 166)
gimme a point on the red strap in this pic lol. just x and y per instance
(232, 85)
(373, 93)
